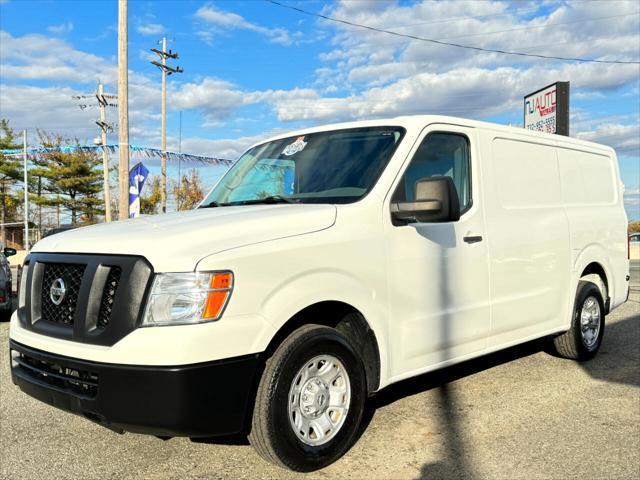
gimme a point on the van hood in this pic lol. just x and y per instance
(177, 241)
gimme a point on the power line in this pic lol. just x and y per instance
(449, 44)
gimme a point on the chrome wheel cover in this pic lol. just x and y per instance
(590, 321)
(319, 400)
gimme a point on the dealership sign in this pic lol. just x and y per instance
(547, 110)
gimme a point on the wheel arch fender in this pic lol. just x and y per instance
(326, 297)
(592, 260)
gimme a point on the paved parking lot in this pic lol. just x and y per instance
(516, 414)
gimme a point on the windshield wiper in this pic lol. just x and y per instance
(213, 204)
(270, 199)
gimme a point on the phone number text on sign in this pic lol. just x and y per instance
(547, 125)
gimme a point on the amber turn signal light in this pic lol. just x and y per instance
(221, 285)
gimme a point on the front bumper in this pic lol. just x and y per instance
(200, 400)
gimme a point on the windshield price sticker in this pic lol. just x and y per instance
(295, 147)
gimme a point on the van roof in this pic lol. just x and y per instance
(417, 122)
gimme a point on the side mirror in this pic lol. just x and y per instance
(436, 200)
(8, 252)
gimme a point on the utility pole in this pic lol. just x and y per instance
(163, 177)
(123, 111)
(104, 100)
(166, 70)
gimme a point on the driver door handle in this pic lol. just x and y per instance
(472, 238)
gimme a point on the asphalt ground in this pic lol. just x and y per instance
(518, 414)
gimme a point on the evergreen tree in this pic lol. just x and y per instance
(72, 179)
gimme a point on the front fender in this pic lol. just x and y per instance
(276, 280)
(296, 293)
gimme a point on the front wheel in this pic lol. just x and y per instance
(584, 338)
(310, 400)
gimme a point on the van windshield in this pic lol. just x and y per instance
(339, 166)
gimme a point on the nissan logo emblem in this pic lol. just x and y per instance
(57, 291)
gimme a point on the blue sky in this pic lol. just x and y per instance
(252, 68)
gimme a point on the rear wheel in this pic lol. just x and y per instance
(310, 400)
(584, 338)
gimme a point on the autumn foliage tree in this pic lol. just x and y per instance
(10, 173)
(188, 192)
(150, 203)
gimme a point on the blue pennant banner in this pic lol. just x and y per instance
(137, 177)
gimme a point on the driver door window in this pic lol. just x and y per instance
(440, 154)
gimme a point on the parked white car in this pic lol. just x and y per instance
(324, 266)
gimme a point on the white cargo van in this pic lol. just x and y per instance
(324, 266)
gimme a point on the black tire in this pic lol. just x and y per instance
(271, 433)
(571, 344)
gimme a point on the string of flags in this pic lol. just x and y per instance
(145, 152)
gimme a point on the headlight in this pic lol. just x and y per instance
(185, 298)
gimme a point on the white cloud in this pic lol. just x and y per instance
(467, 92)
(632, 203)
(52, 107)
(150, 28)
(216, 99)
(229, 148)
(37, 57)
(147, 55)
(364, 58)
(26, 58)
(206, 36)
(23, 106)
(625, 139)
(632, 196)
(62, 28)
(222, 20)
